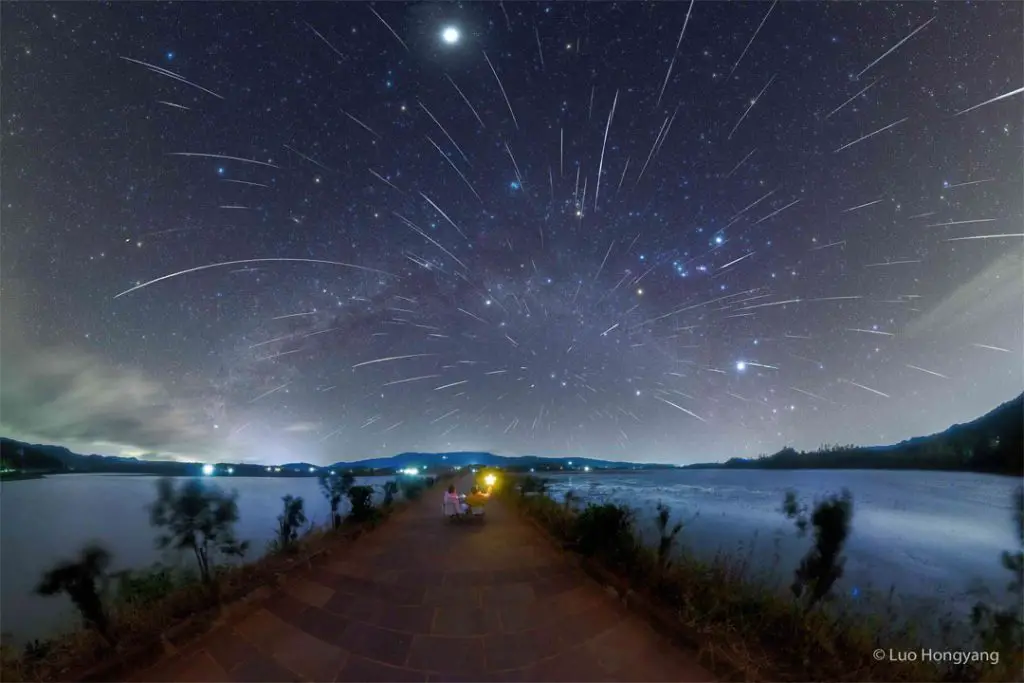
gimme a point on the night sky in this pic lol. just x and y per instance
(675, 232)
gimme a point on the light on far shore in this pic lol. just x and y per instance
(207, 470)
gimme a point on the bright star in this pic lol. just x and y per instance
(741, 366)
(450, 35)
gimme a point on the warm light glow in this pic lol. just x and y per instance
(490, 479)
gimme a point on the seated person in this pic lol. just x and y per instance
(452, 496)
(476, 498)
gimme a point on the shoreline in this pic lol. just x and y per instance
(159, 605)
(750, 629)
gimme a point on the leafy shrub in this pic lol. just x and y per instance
(361, 500)
(78, 578)
(199, 518)
(822, 566)
(288, 522)
(335, 488)
(532, 484)
(144, 586)
(412, 489)
(606, 532)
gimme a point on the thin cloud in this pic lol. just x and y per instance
(65, 396)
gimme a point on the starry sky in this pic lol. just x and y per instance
(671, 232)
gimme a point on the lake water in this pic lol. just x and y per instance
(935, 536)
(43, 521)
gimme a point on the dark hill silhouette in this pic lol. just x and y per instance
(22, 456)
(15, 455)
(992, 443)
(483, 459)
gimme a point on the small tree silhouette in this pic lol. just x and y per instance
(666, 536)
(289, 521)
(822, 566)
(197, 518)
(77, 578)
(390, 489)
(361, 498)
(334, 489)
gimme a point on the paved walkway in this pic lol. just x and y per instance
(423, 599)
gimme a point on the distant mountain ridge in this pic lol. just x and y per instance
(992, 444)
(57, 459)
(484, 459)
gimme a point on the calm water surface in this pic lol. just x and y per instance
(934, 536)
(43, 521)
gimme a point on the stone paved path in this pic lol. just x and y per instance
(424, 599)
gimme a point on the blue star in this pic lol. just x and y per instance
(514, 185)
(170, 56)
(220, 171)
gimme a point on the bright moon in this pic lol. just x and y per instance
(450, 35)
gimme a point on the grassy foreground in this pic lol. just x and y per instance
(131, 614)
(745, 629)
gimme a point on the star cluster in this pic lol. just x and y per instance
(671, 232)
